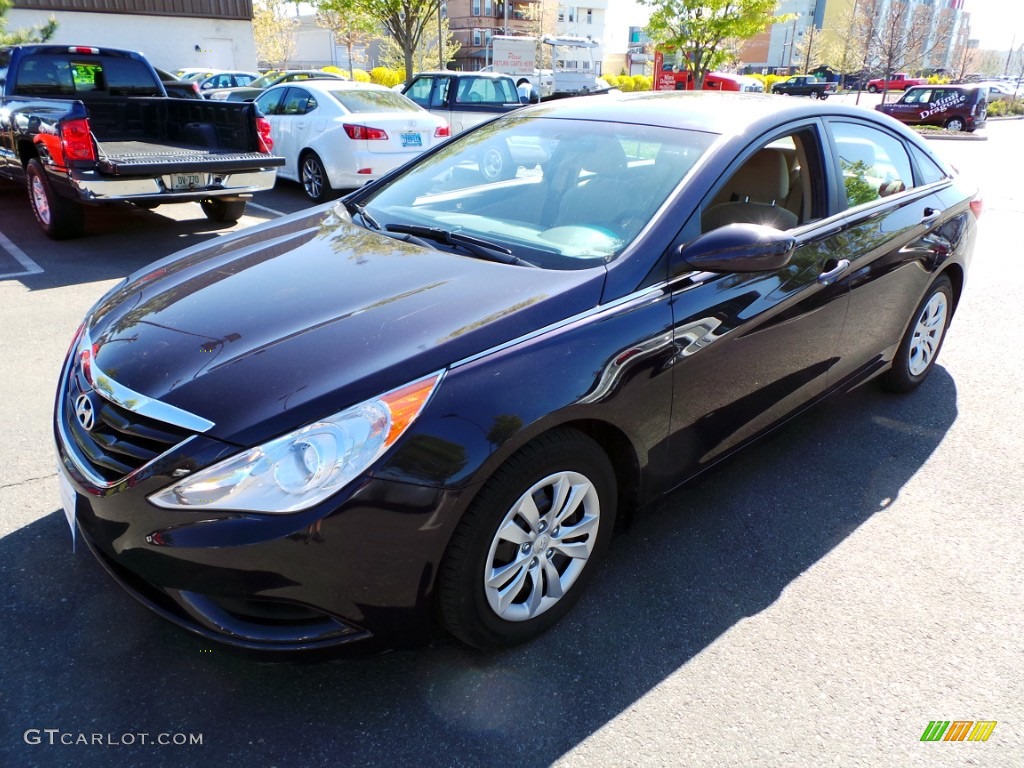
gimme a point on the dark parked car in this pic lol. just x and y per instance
(953, 107)
(256, 87)
(433, 400)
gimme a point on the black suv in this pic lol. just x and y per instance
(953, 107)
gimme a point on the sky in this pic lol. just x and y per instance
(997, 23)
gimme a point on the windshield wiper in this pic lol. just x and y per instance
(360, 210)
(477, 246)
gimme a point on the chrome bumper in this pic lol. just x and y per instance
(91, 187)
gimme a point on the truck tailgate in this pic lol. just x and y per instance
(143, 158)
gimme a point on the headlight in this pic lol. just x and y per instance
(304, 467)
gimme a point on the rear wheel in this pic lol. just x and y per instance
(822, 96)
(955, 124)
(314, 178)
(530, 541)
(220, 209)
(58, 217)
(923, 339)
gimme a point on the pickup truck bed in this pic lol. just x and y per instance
(84, 125)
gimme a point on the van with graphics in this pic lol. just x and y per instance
(953, 107)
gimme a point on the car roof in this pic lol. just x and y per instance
(724, 113)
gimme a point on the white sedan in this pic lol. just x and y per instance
(337, 134)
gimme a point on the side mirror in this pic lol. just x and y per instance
(535, 96)
(736, 248)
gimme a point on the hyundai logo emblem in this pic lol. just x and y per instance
(85, 413)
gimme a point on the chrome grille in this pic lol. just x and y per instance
(121, 440)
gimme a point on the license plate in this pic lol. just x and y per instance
(412, 140)
(180, 181)
(68, 499)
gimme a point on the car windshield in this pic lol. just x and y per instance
(561, 194)
(265, 80)
(373, 101)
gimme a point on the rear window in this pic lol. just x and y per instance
(373, 101)
(48, 75)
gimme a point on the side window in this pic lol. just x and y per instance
(929, 170)
(419, 91)
(779, 186)
(298, 101)
(269, 103)
(440, 95)
(873, 164)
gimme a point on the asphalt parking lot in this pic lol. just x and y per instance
(817, 601)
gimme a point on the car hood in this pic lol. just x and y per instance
(289, 322)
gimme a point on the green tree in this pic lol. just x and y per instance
(273, 31)
(704, 32)
(351, 27)
(406, 22)
(39, 34)
(426, 56)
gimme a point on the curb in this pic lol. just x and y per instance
(950, 136)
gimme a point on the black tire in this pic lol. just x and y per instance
(496, 164)
(58, 217)
(822, 96)
(923, 339)
(314, 179)
(219, 209)
(535, 551)
(955, 124)
(872, 89)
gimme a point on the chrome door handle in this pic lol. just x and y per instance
(930, 215)
(825, 278)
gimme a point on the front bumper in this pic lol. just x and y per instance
(356, 571)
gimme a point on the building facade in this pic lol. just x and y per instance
(937, 24)
(171, 33)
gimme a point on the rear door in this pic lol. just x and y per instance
(897, 226)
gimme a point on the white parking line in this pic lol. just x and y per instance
(29, 266)
(264, 208)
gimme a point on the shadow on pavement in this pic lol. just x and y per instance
(81, 656)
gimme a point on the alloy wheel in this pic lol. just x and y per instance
(542, 546)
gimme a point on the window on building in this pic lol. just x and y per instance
(488, 8)
(476, 37)
(590, 16)
(476, 7)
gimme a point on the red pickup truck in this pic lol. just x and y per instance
(900, 81)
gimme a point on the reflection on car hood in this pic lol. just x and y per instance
(268, 330)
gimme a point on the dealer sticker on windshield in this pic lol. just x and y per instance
(412, 140)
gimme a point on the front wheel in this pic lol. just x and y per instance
(954, 124)
(872, 89)
(923, 339)
(529, 542)
(219, 209)
(58, 217)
